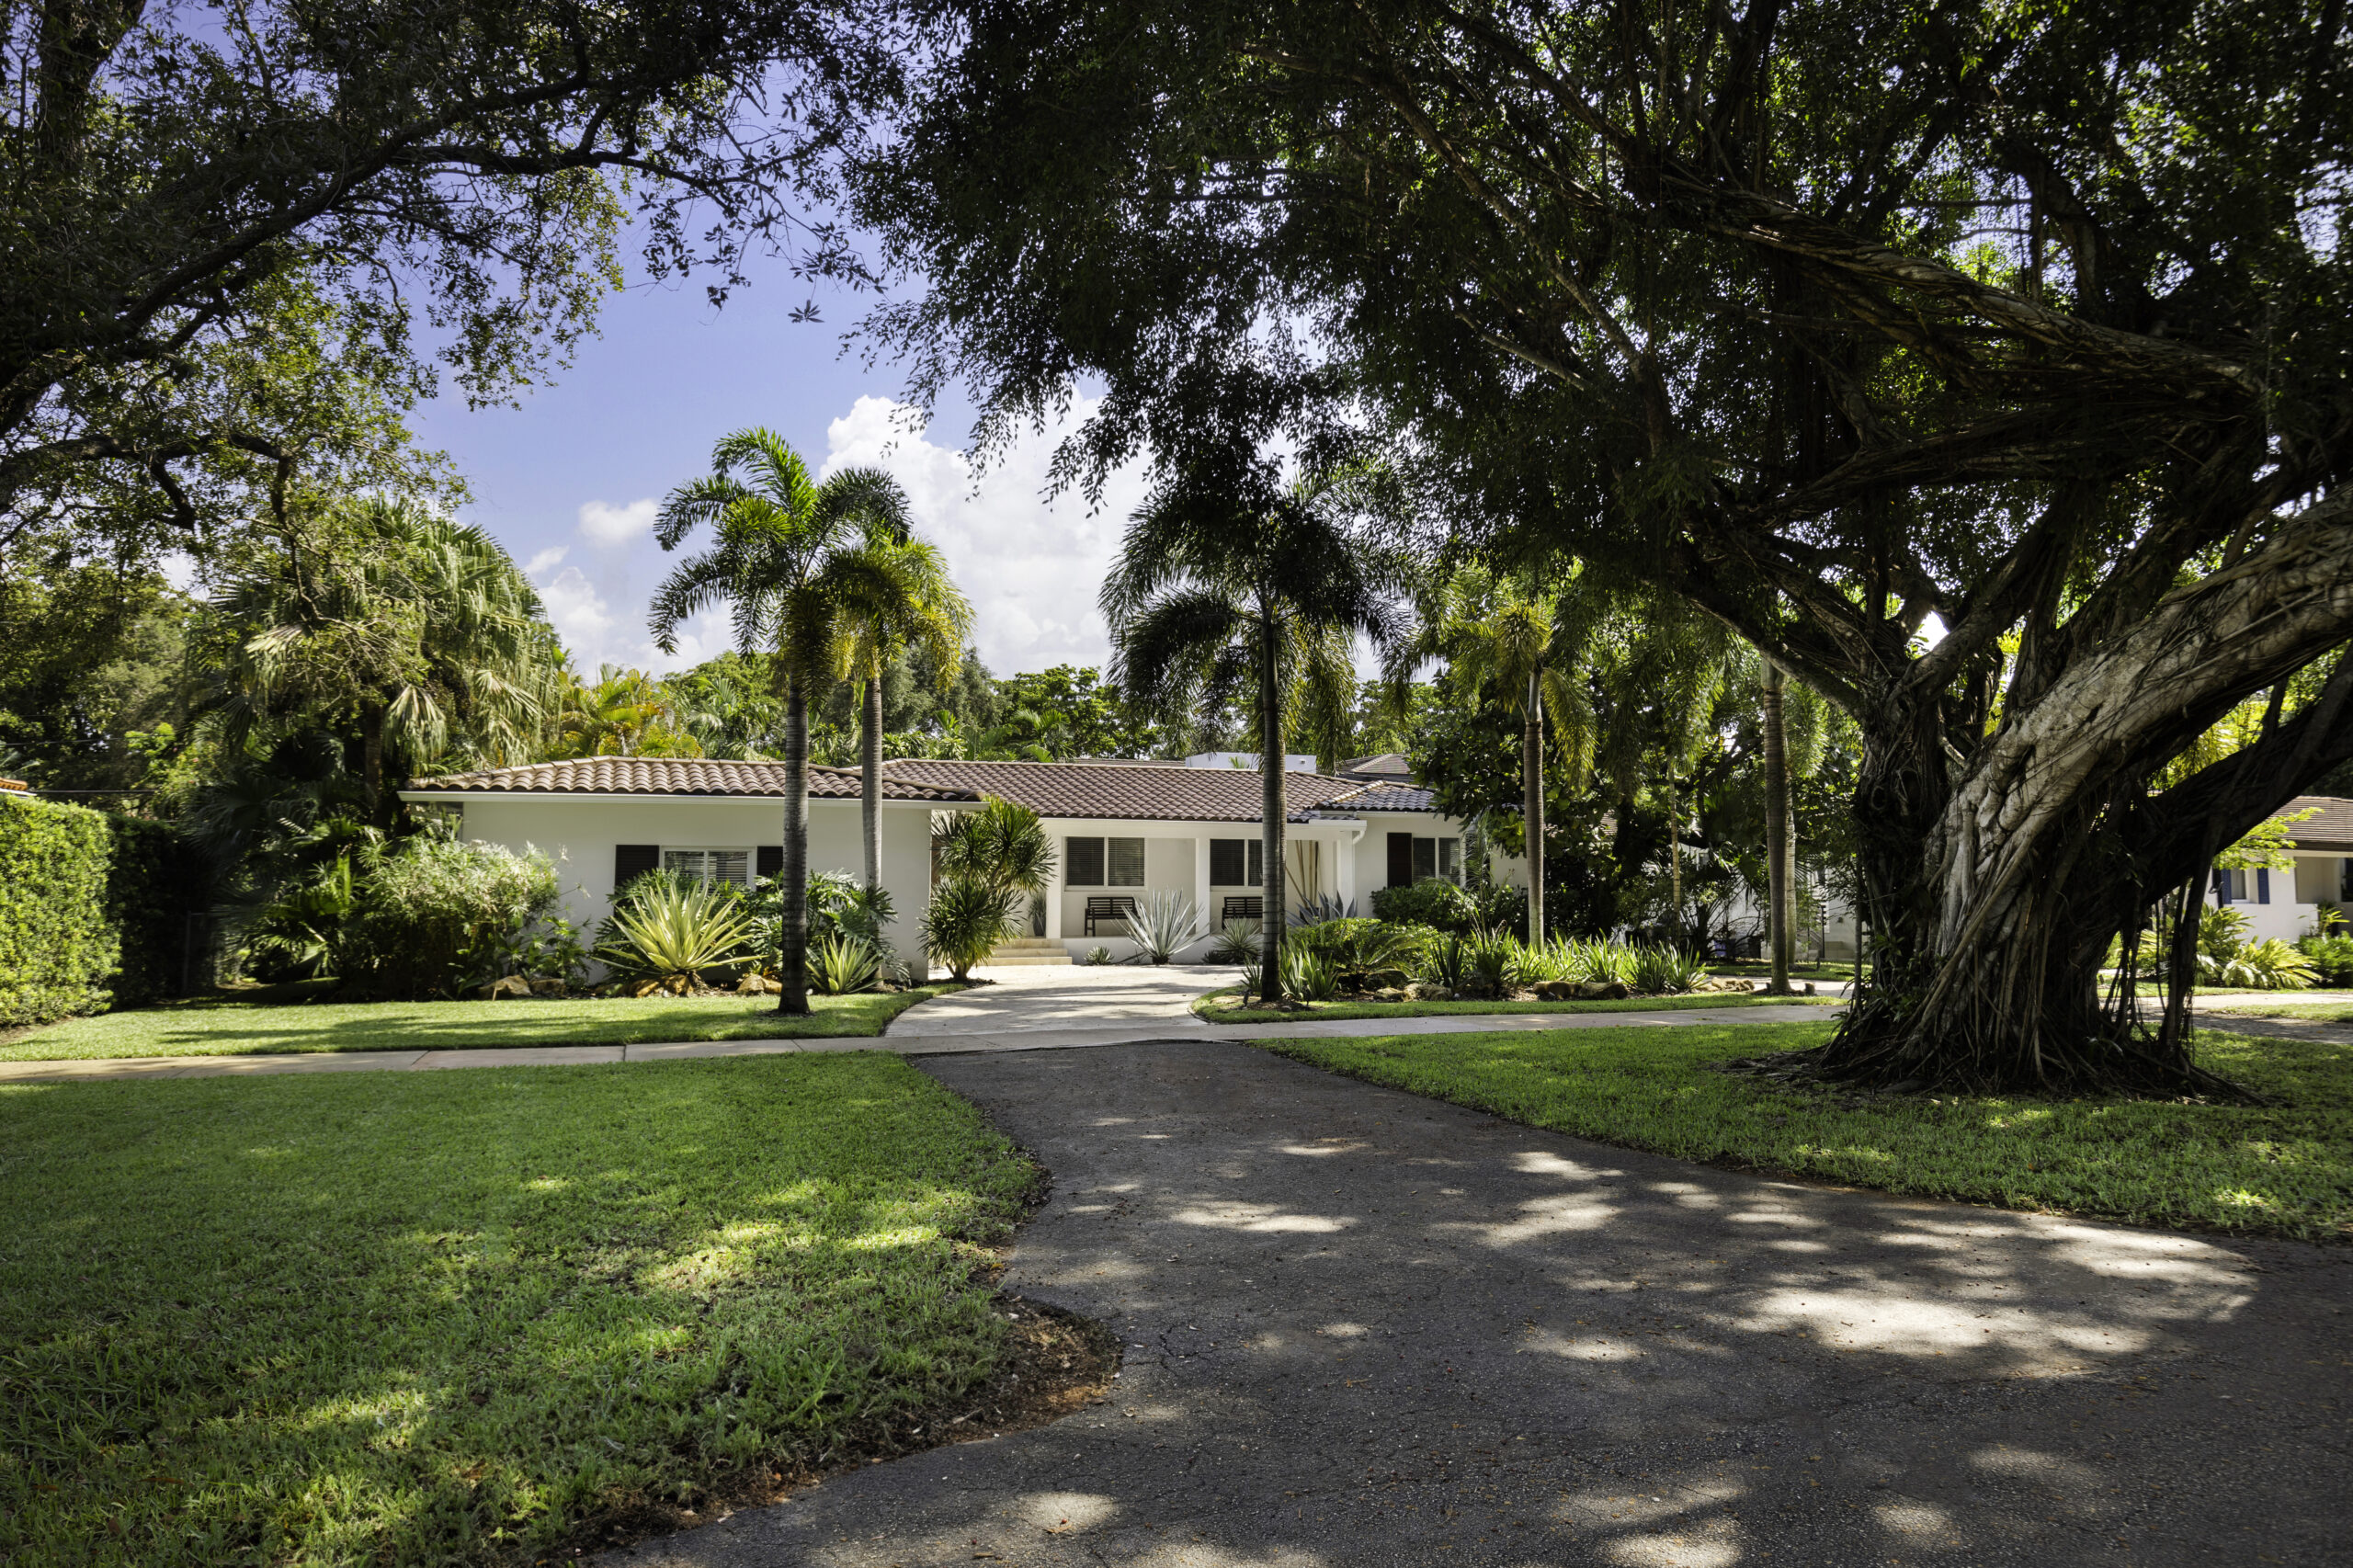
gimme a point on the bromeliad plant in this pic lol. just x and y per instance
(840, 964)
(1238, 943)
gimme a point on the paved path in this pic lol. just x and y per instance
(1036, 1008)
(1364, 1328)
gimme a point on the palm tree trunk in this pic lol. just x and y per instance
(371, 753)
(1778, 835)
(1531, 803)
(870, 786)
(1272, 808)
(1674, 866)
(793, 940)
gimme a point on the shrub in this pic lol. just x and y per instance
(1600, 958)
(968, 916)
(2331, 959)
(837, 905)
(94, 909)
(1662, 971)
(840, 964)
(437, 915)
(1240, 942)
(1323, 908)
(1433, 901)
(1308, 976)
(670, 930)
(1098, 954)
(1357, 947)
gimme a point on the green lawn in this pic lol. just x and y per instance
(1216, 1007)
(440, 1318)
(2282, 1169)
(2324, 1012)
(1757, 969)
(241, 1029)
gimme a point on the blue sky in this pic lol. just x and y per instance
(569, 481)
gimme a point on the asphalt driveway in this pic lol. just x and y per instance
(1366, 1328)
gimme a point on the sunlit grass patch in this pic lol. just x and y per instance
(1221, 1006)
(244, 1028)
(441, 1318)
(2283, 1168)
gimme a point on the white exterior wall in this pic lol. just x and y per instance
(2293, 909)
(581, 835)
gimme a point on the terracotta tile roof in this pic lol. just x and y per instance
(1382, 797)
(2331, 831)
(1390, 765)
(674, 776)
(1142, 791)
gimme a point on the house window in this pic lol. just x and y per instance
(1237, 862)
(1104, 862)
(1411, 858)
(2234, 887)
(732, 867)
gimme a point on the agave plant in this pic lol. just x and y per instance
(1490, 960)
(1253, 973)
(1448, 962)
(1098, 954)
(1661, 971)
(1323, 906)
(1240, 942)
(670, 930)
(1600, 958)
(1162, 923)
(1309, 975)
(840, 964)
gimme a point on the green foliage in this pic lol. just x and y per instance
(93, 909)
(840, 965)
(437, 915)
(2227, 959)
(1355, 947)
(1239, 941)
(1162, 923)
(1098, 954)
(1308, 976)
(672, 928)
(413, 1318)
(1451, 906)
(2330, 957)
(1001, 844)
(968, 916)
(1664, 971)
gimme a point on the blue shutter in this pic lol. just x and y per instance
(2221, 887)
(2262, 885)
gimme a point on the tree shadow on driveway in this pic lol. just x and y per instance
(1363, 1327)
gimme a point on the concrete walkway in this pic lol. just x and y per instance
(1363, 1328)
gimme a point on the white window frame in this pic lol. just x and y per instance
(748, 854)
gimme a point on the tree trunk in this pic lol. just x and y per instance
(1776, 828)
(1674, 864)
(1272, 808)
(1531, 803)
(793, 940)
(371, 755)
(870, 786)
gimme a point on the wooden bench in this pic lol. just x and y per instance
(1243, 909)
(1117, 907)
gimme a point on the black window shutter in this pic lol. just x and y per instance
(634, 860)
(1257, 861)
(772, 859)
(1401, 859)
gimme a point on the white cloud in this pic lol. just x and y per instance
(546, 562)
(608, 525)
(1032, 567)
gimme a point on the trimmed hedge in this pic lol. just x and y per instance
(93, 909)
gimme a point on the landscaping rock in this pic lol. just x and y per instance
(1385, 980)
(505, 985)
(552, 986)
(644, 988)
(1603, 990)
(1391, 994)
(1555, 990)
(758, 985)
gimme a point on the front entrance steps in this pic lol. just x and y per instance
(1030, 950)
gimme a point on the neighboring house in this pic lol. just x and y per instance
(1122, 830)
(2287, 903)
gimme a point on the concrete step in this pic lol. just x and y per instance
(1001, 959)
(1031, 950)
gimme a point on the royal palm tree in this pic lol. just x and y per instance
(1523, 637)
(905, 601)
(787, 560)
(1227, 587)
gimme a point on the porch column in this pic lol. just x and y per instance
(1201, 883)
(1055, 886)
(1344, 871)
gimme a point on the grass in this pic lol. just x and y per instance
(222, 1028)
(443, 1318)
(1759, 968)
(2325, 1012)
(2283, 1169)
(1211, 1009)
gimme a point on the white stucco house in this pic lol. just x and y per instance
(1121, 829)
(2287, 903)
